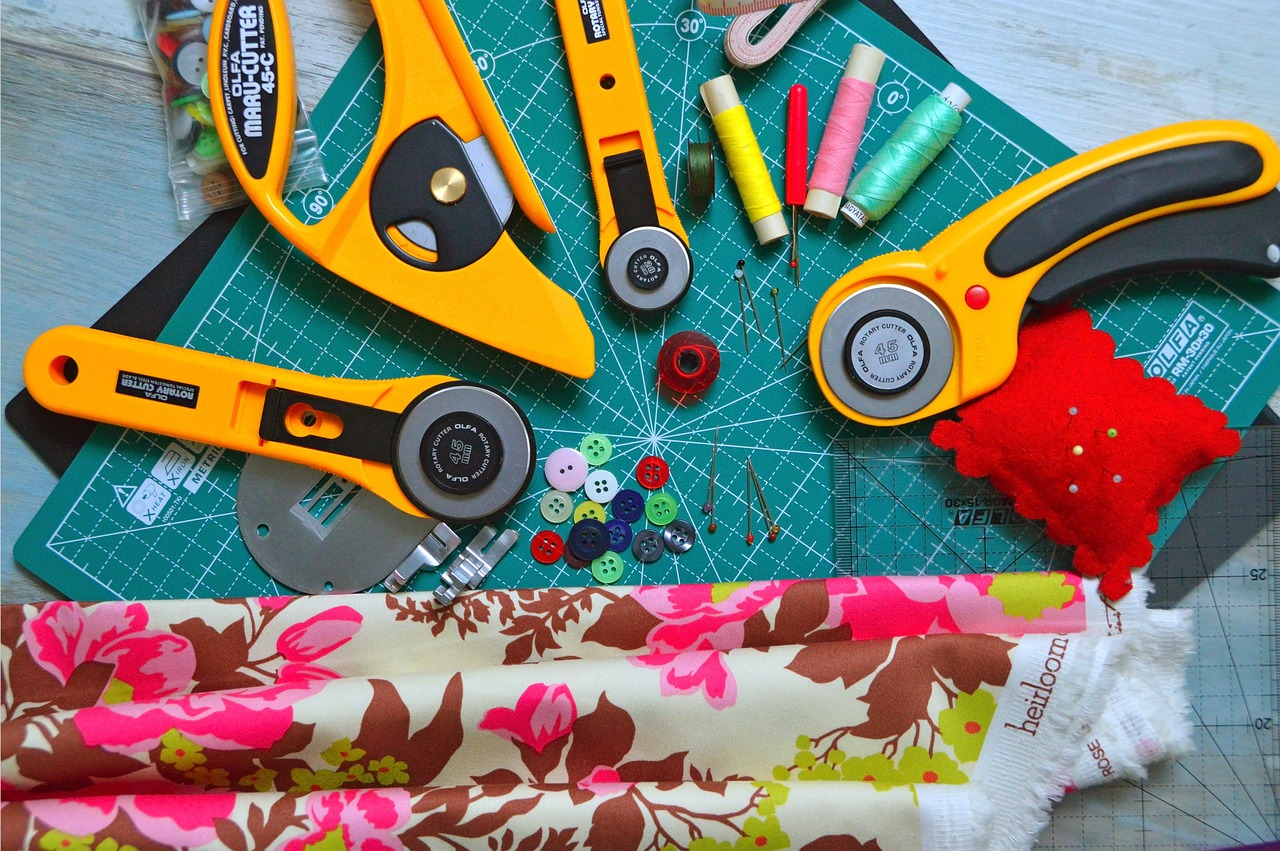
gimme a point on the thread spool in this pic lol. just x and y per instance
(701, 167)
(845, 126)
(688, 363)
(746, 163)
(882, 182)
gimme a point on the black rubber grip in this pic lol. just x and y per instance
(630, 190)
(1242, 238)
(367, 433)
(1148, 182)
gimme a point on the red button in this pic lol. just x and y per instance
(977, 297)
(652, 472)
(547, 546)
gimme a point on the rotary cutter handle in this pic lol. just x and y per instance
(423, 224)
(916, 333)
(430, 445)
(643, 247)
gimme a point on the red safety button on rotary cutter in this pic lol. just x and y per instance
(652, 472)
(547, 546)
(977, 297)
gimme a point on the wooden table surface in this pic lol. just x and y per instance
(86, 203)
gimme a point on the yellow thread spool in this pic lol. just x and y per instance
(746, 163)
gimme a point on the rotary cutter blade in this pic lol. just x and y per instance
(423, 224)
(643, 246)
(429, 445)
(916, 333)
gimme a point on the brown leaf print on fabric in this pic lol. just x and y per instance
(69, 765)
(849, 662)
(969, 661)
(601, 737)
(623, 625)
(616, 825)
(220, 656)
(843, 842)
(465, 613)
(385, 731)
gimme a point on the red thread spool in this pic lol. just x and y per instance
(688, 363)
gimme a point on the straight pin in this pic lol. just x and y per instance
(742, 308)
(751, 538)
(709, 507)
(774, 528)
(741, 273)
(777, 315)
(795, 351)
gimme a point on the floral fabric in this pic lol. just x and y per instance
(922, 712)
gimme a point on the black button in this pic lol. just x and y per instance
(647, 546)
(461, 453)
(588, 539)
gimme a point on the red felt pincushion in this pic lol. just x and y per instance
(1087, 443)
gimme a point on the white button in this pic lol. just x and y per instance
(601, 486)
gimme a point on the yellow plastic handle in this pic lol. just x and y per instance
(946, 271)
(502, 299)
(206, 398)
(612, 106)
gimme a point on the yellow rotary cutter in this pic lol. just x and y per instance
(429, 445)
(916, 333)
(643, 246)
(423, 225)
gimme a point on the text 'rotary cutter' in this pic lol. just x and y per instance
(429, 445)
(643, 246)
(423, 225)
(916, 333)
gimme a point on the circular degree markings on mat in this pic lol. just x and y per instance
(566, 469)
(546, 547)
(652, 472)
(690, 25)
(556, 506)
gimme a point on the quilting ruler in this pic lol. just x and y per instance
(902, 508)
(142, 516)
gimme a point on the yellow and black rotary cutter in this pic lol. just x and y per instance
(430, 445)
(643, 247)
(423, 225)
(916, 333)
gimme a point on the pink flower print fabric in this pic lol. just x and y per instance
(850, 713)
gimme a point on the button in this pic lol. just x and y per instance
(660, 509)
(601, 486)
(596, 448)
(608, 568)
(556, 506)
(679, 536)
(575, 562)
(546, 547)
(588, 539)
(652, 472)
(627, 505)
(647, 546)
(619, 535)
(589, 508)
(189, 61)
(566, 469)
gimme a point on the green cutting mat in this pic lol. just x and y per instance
(142, 516)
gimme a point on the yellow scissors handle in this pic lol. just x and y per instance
(374, 433)
(631, 191)
(422, 225)
(916, 333)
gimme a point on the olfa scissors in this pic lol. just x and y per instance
(423, 225)
(643, 247)
(430, 445)
(916, 333)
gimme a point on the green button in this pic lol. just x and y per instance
(660, 509)
(556, 506)
(597, 448)
(607, 568)
(590, 508)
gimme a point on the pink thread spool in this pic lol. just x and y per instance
(845, 125)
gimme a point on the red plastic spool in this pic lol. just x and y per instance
(688, 363)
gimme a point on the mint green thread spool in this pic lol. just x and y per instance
(880, 184)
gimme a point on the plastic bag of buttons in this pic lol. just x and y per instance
(177, 31)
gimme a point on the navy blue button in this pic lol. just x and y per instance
(627, 505)
(588, 539)
(619, 534)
